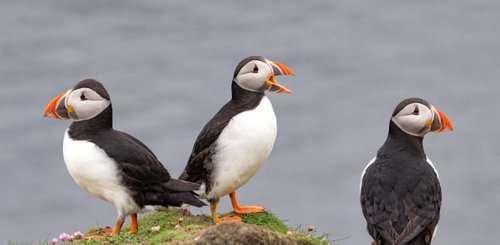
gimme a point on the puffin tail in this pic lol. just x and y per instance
(175, 199)
(180, 185)
(176, 193)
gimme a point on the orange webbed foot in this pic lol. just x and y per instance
(229, 219)
(249, 209)
(243, 209)
(108, 231)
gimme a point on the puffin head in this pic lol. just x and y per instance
(415, 116)
(84, 101)
(256, 73)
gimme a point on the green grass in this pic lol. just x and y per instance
(178, 226)
(266, 220)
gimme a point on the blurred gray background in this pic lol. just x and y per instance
(168, 66)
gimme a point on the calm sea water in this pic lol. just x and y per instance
(168, 66)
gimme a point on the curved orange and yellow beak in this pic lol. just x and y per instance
(440, 123)
(278, 70)
(56, 108)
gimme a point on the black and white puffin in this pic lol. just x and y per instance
(235, 143)
(110, 164)
(400, 189)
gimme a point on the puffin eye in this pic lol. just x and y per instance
(416, 111)
(255, 69)
(82, 97)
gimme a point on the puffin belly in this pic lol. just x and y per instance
(93, 170)
(242, 148)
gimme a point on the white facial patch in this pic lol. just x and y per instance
(85, 103)
(253, 75)
(413, 119)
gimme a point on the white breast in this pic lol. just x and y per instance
(242, 148)
(432, 165)
(93, 170)
(364, 172)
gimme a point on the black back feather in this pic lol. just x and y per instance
(401, 194)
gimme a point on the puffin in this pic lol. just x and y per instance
(400, 192)
(112, 165)
(236, 142)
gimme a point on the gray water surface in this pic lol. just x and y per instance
(168, 66)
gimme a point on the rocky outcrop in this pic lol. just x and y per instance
(241, 233)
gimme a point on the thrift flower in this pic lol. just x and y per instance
(78, 235)
(64, 237)
(155, 229)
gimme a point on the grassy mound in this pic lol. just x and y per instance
(179, 227)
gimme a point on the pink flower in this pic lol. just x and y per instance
(155, 229)
(78, 235)
(53, 240)
(64, 237)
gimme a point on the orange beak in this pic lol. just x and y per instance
(56, 108)
(278, 69)
(441, 123)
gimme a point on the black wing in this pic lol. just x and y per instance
(399, 209)
(200, 165)
(140, 168)
(143, 173)
(423, 206)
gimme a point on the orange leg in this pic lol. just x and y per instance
(133, 224)
(245, 209)
(217, 220)
(118, 226)
(108, 231)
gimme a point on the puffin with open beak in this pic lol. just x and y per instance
(400, 189)
(110, 164)
(235, 143)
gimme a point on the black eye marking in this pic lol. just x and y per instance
(82, 97)
(416, 111)
(255, 69)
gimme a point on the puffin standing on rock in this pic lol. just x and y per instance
(400, 190)
(235, 143)
(110, 164)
